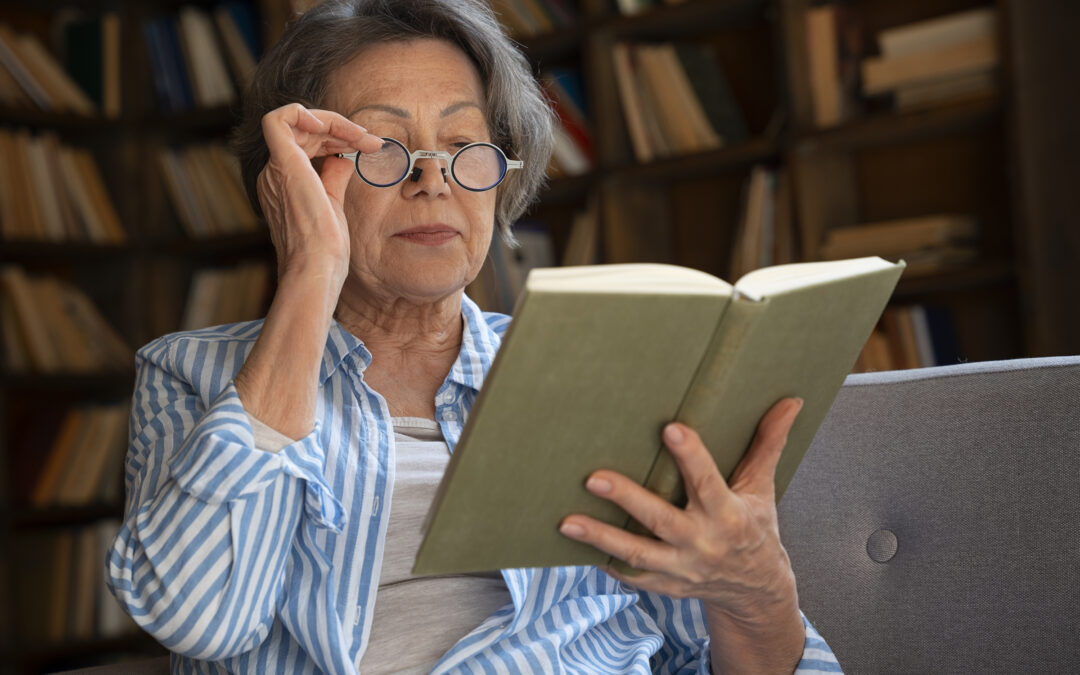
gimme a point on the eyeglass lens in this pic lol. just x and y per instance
(477, 167)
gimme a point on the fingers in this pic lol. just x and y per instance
(757, 470)
(317, 133)
(666, 521)
(640, 552)
(704, 484)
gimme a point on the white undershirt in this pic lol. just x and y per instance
(417, 619)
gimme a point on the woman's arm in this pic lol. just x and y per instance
(210, 519)
(209, 522)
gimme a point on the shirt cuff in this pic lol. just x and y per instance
(817, 657)
(218, 462)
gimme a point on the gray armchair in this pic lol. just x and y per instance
(934, 525)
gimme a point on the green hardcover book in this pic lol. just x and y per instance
(598, 359)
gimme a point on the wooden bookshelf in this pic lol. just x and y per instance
(878, 163)
(140, 287)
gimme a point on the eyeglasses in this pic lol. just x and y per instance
(476, 167)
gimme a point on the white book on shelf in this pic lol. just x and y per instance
(938, 32)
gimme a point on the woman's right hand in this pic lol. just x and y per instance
(302, 192)
(302, 188)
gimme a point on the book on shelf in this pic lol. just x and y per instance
(199, 57)
(911, 336)
(938, 32)
(835, 44)
(527, 18)
(204, 186)
(598, 359)
(79, 464)
(574, 151)
(90, 51)
(900, 237)
(765, 235)
(583, 243)
(61, 596)
(943, 59)
(40, 74)
(51, 192)
(226, 295)
(56, 327)
(674, 98)
(711, 87)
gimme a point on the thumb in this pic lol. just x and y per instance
(757, 470)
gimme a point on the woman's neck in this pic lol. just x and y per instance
(413, 345)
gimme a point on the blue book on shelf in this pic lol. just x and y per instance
(243, 15)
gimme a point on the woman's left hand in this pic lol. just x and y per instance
(724, 546)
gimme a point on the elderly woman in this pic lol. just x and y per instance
(278, 469)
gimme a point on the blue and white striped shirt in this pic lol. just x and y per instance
(242, 560)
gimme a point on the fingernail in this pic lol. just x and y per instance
(572, 530)
(598, 485)
(799, 402)
(673, 435)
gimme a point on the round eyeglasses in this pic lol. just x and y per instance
(475, 167)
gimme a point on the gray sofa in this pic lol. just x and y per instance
(934, 525)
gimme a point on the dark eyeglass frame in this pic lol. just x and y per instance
(507, 163)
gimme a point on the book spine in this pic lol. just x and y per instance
(698, 408)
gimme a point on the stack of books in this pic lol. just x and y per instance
(51, 192)
(766, 231)
(83, 464)
(525, 18)
(574, 152)
(675, 99)
(60, 595)
(30, 76)
(226, 295)
(206, 190)
(50, 326)
(912, 336)
(942, 60)
(927, 244)
(200, 57)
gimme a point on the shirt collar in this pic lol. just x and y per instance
(479, 342)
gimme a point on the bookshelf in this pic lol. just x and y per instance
(1003, 158)
(139, 285)
(883, 157)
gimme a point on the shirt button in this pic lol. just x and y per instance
(450, 416)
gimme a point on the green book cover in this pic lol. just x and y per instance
(598, 359)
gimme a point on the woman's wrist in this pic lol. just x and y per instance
(278, 383)
(765, 636)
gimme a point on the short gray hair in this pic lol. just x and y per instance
(298, 69)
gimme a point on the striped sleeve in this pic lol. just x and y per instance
(209, 519)
(686, 639)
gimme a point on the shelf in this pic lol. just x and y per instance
(139, 643)
(68, 252)
(63, 121)
(24, 517)
(722, 159)
(888, 128)
(962, 278)
(100, 383)
(671, 21)
(246, 244)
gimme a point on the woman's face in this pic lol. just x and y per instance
(418, 240)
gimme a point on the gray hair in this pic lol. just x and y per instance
(298, 69)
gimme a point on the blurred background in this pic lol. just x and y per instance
(723, 135)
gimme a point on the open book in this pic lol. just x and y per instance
(598, 359)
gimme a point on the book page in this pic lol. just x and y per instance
(627, 278)
(769, 281)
